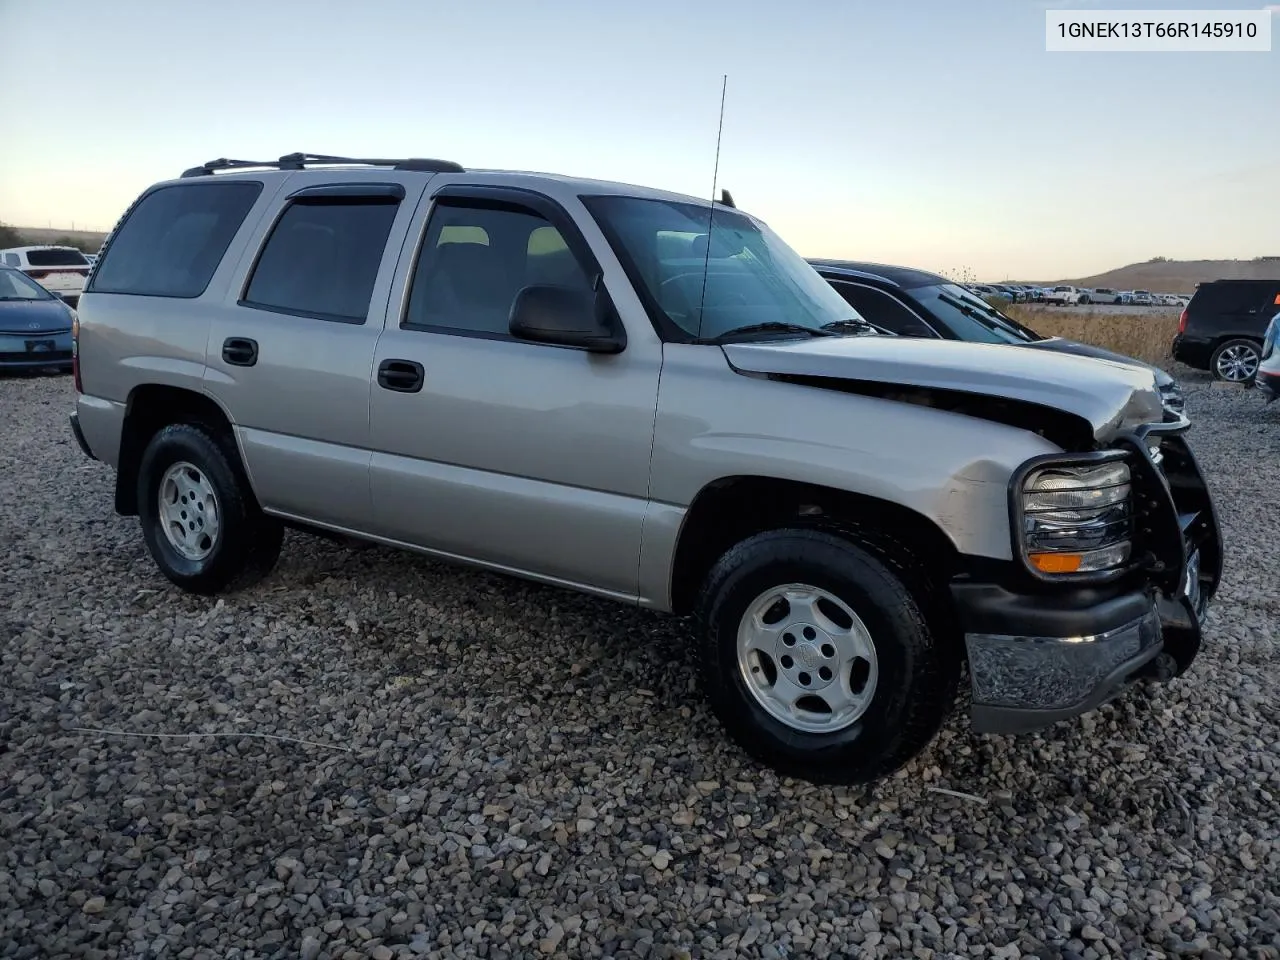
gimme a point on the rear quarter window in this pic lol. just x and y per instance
(172, 241)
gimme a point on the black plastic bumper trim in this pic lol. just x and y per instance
(1083, 612)
(79, 435)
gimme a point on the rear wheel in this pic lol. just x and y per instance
(200, 519)
(1235, 361)
(818, 660)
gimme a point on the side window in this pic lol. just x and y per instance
(475, 258)
(322, 257)
(173, 239)
(12, 260)
(883, 310)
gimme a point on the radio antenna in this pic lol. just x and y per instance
(715, 174)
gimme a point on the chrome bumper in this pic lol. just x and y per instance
(1023, 683)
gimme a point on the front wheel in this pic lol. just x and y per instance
(200, 519)
(818, 660)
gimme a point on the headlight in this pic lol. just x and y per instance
(1076, 519)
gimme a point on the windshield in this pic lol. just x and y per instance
(969, 317)
(751, 276)
(16, 285)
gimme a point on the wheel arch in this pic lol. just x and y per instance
(730, 509)
(150, 408)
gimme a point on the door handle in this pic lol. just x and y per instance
(240, 351)
(403, 376)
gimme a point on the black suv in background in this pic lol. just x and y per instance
(916, 303)
(1221, 329)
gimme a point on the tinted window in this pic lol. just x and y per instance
(883, 310)
(58, 257)
(473, 262)
(1229, 297)
(172, 241)
(322, 258)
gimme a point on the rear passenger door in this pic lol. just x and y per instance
(523, 456)
(290, 352)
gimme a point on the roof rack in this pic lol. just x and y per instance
(298, 161)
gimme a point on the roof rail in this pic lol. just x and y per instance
(298, 161)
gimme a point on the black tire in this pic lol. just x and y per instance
(1233, 344)
(917, 676)
(248, 542)
(1085, 301)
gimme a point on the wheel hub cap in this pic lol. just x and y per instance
(807, 658)
(188, 511)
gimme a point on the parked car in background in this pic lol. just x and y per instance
(1010, 291)
(1101, 295)
(1064, 295)
(1221, 329)
(916, 303)
(1268, 375)
(1142, 298)
(60, 270)
(35, 326)
(848, 517)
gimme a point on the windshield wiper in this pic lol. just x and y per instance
(991, 320)
(771, 326)
(854, 323)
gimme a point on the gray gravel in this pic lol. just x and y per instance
(502, 770)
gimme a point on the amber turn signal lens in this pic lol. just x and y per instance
(1056, 562)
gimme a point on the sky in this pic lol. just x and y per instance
(934, 133)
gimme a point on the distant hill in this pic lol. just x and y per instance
(89, 239)
(1180, 276)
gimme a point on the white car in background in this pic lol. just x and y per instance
(1064, 295)
(1100, 295)
(60, 270)
(1142, 298)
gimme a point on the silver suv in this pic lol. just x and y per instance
(650, 398)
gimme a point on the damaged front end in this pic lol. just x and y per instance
(1049, 643)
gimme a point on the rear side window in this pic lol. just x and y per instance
(12, 260)
(58, 257)
(172, 241)
(322, 258)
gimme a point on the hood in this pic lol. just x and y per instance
(33, 316)
(1110, 397)
(1059, 345)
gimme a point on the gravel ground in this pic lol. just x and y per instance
(502, 770)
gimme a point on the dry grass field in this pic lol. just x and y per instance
(1144, 336)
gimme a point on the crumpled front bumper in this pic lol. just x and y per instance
(1036, 658)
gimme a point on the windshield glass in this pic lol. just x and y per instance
(971, 318)
(16, 285)
(751, 276)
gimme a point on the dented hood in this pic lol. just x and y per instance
(1110, 396)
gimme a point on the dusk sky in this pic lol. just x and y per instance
(934, 133)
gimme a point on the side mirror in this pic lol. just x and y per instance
(567, 317)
